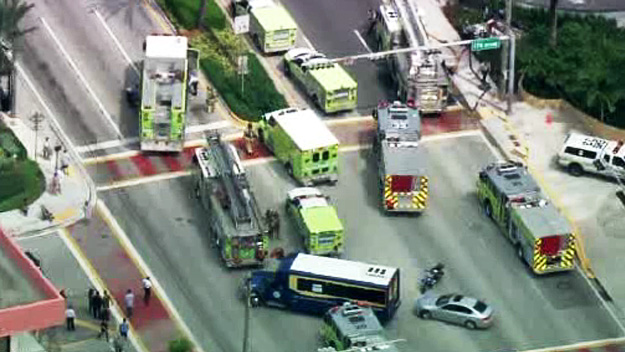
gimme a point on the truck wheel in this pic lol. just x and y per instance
(575, 169)
(519, 252)
(488, 209)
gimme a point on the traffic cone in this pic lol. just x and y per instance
(549, 118)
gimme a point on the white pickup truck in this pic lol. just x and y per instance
(582, 153)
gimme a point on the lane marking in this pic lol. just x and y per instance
(98, 284)
(81, 77)
(53, 117)
(117, 43)
(362, 41)
(41, 234)
(113, 143)
(208, 126)
(136, 181)
(143, 268)
(450, 135)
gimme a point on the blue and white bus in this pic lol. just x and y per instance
(314, 284)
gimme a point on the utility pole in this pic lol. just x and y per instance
(37, 119)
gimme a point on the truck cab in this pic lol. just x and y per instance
(582, 153)
(271, 27)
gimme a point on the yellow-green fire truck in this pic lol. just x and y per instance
(510, 196)
(327, 83)
(317, 221)
(351, 326)
(169, 66)
(271, 27)
(221, 185)
(303, 143)
(401, 162)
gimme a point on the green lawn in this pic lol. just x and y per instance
(20, 178)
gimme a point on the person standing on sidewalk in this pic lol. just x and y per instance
(106, 300)
(65, 162)
(90, 295)
(123, 329)
(129, 299)
(248, 137)
(47, 151)
(97, 304)
(147, 290)
(104, 329)
(70, 316)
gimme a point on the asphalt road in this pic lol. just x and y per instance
(98, 59)
(168, 228)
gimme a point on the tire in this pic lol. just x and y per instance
(425, 314)
(470, 325)
(254, 301)
(519, 252)
(575, 169)
(488, 209)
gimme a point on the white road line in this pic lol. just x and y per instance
(117, 43)
(362, 40)
(143, 180)
(52, 116)
(114, 143)
(123, 238)
(41, 234)
(449, 135)
(81, 77)
(308, 42)
(209, 126)
(97, 283)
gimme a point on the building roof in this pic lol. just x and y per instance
(166, 46)
(403, 159)
(28, 301)
(305, 128)
(333, 77)
(343, 269)
(274, 18)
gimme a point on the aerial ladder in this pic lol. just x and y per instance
(236, 223)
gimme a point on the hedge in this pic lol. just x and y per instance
(186, 13)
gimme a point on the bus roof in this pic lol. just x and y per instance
(320, 219)
(166, 47)
(343, 269)
(305, 128)
(274, 18)
(333, 77)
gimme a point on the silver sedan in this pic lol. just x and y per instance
(456, 309)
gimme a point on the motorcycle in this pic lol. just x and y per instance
(431, 278)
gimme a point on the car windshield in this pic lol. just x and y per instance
(442, 300)
(480, 306)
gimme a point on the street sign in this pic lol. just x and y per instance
(242, 24)
(242, 65)
(485, 44)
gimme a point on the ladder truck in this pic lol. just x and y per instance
(236, 226)
(419, 75)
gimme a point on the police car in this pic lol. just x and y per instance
(581, 153)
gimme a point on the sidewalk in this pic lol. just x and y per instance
(534, 136)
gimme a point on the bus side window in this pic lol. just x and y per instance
(325, 155)
(315, 157)
(272, 121)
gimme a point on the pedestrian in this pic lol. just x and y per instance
(129, 299)
(24, 208)
(485, 70)
(47, 151)
(123, 328)
(55, 183)
(248, 136)
(211, 98)
(193, 83)
(90, 295)
(276, 223)
(372, 19)
(104, 329)
(106, 300)
(147, 290)
(70, 315)
(65, 162)
(105, 314)
(269, 222)
(97, 305)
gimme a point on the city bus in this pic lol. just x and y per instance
(314, 284)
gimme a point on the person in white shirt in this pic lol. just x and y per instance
(147, 290)
(70, 315)
(129, 299)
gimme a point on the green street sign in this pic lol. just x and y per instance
(485, 44)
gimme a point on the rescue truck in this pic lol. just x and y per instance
(352, 326)
(581, 153)
(510, 196)
(401, 163)
(419, 75)
(169, 70)
(236, 226)
(316, 220)
(271, 27)
(302, 142)
(326, 83)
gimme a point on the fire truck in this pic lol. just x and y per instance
(401, 163)
(543, 238)
(419, 75)
(354, 327)
(221, 185)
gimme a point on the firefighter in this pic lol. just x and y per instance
(275, 221)
(248, 136)
(211, 99)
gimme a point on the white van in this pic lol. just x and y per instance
(581, 153)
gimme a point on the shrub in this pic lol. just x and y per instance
(180, 345)
(186, 13)
(19, 180)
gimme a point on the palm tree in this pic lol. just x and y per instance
(11, 14)
(553, 4)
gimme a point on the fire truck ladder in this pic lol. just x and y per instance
(232, 174)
